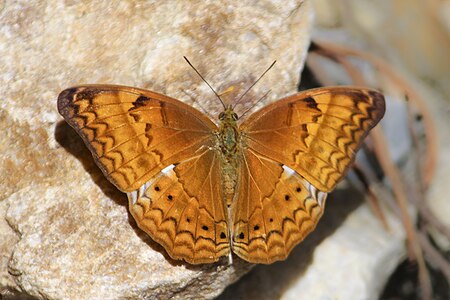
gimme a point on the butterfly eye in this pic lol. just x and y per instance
(221, 116)
(235, 116)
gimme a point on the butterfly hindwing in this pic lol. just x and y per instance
(185, 212)
(317, 132)
(274, 210)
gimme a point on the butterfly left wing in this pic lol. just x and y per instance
(316, 132)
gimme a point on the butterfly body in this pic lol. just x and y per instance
(229, 146)
(256, 187)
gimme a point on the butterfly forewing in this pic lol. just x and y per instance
(133, 134)
(317, 132)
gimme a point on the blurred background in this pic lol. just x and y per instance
(412, 35)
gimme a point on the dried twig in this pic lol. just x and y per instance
(371, 195)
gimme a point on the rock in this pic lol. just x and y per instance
(6, 248)
(64, 229)
(68, 233)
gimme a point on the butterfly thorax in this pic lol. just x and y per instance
(229, 147)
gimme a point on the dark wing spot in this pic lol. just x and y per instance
(241, 235)
(256, 227)
(204, 227)
(222, 235)
(311, 103)
(298, 189)
(143, 162)
(188, 220)
(271, 220)
(88, 94)
(140, 101)
(157, 188)
(170, 197)
(136, 116)
(149, 137)
(286, 197)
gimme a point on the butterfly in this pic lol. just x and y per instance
(254, 186)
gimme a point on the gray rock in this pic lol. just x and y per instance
(67, 232)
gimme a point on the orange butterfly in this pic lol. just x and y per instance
(256, 187)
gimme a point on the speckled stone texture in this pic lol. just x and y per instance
(65, 230)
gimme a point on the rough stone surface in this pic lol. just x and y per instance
(9, 238)
(67, 233)
(64, 229)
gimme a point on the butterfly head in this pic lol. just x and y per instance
(228, 115)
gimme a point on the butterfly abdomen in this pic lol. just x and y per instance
(229, 182)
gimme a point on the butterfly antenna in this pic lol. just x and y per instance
(245, 93)
(256, 103)
(215, 93)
